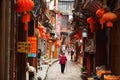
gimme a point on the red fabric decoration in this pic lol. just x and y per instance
(109, 17)
(24, 6)
(91, 21)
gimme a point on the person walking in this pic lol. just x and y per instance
(72, 53)
(63, 60)
(39, 56)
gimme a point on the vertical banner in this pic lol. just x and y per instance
(33, 46)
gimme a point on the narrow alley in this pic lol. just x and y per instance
(72, 71)
(37, 35)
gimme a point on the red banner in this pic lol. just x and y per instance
(33, 44)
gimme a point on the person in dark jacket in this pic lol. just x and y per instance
(72, 53)
(63, 60)
(39, 56)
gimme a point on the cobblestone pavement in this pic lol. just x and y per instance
(72, 71)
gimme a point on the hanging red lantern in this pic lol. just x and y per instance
(58, 44)
(102, 22)
(45, 38)
(24, 7)
(100, 12)
(76, 36)
(50, 41)
(42, 35)
(70, 42)
(80, 34)
(91, 21)
(109, 18)
(47, 35)
(41, 28)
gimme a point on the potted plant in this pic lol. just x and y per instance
(83, 69)
(84, 72)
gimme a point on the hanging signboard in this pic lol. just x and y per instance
(90, 46)
(23, 47)
(33, 46)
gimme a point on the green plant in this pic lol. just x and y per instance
(83, 69)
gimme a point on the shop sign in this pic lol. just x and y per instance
(23, 47)
(90, 46)
(33, 45)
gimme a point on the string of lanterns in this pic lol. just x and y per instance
(104, 16)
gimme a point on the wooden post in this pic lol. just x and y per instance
(21, 58)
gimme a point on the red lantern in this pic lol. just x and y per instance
(91, 21)
(24, 7)
(109, 17)
(41, 28)
(100, 12)
(102, 22)
(57, 43)
(70, 42)
(47, 36)
(50, 41)
(76, 36)
(42, 34)
(80, 34)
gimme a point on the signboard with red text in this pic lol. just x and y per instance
(33, 45)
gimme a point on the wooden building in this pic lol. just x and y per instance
(107, 42)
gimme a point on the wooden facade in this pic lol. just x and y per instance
(105, 55)
(6, 36)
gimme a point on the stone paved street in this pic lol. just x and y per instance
(72, 71)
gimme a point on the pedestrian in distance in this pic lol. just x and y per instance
(39, 56)
(62, 61)
(72, 53)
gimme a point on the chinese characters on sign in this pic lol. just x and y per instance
(29, 47)
(33, 44)
(23, 47)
